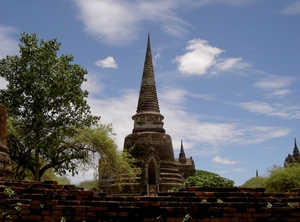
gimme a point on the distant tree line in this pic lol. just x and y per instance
(277, 179)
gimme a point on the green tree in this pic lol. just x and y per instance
(46, 106)
(207, 179)
(255, 182)
(283, 179)
(112, 162)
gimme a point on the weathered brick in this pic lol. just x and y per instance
(32, 217)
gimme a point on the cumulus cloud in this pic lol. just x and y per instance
(108, 62)
(113, 22)
(196, 130)
(202, 58)
(228, 63)
(9, 46)
(223, 160)
(292, 9)
(285, 111)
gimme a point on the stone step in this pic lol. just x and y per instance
(169, 170)
(171, 175)
(170, 180)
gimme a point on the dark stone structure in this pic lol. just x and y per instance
(51, 202)
(5, 161)
(295, 158)
(185, 165)
(150, 145)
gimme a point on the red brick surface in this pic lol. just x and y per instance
(49, 202)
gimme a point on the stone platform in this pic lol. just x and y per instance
(45, 202)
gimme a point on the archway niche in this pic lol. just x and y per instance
(152, 172)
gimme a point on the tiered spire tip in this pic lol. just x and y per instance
(148, 101)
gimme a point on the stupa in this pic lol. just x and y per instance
(150, 145)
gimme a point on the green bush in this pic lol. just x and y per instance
(255, 182)
(283, 179)
(278, 179)
(207, 179)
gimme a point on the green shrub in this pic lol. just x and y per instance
(207, 179)
(283, 179)
(255, 182)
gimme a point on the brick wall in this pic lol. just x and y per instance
(32, 201)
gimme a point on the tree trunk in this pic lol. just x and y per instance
(37, 166)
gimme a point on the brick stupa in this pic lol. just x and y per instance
(149, 144)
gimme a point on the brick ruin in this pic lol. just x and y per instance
(150, 145)
(49, 202)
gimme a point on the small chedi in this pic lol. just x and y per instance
(5, 161)
(150, 145)
(295, 158)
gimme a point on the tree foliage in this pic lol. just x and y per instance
(278, 179)
(283, 179)
(255, 182)
(207, 179)
(46, 106)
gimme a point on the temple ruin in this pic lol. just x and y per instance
(150, 145)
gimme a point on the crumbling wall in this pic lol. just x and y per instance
(34, 201)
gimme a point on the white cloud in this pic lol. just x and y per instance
(197, 132)
(236, 170)
(201, 58)
(223, 160)
(9, 46)
(157, 56)
(228, 63)
(272, 82)
(108, 62)
(259, 134)
(121, 21)
(279, 93)
(226, 2)
(292, 9)
(93, 84)
(113, 21)
(285, 111)
(275, 86)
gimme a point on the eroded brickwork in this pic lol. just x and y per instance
(33, 201)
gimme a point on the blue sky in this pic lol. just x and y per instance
(227, 71)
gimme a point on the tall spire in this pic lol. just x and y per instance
(148, 117)
(296, 151)
(148, 97)
(182, 157)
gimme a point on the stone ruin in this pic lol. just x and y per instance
(150, 145)
(295, 158)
